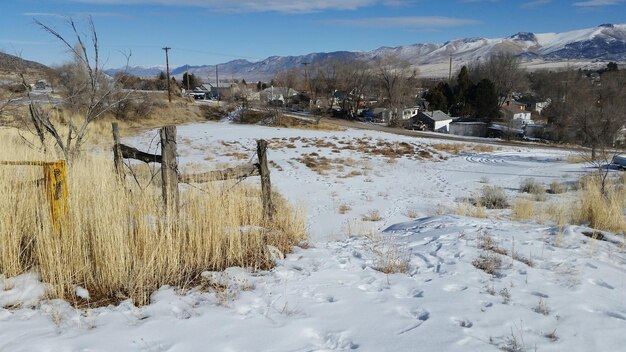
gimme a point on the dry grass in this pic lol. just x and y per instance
(411, 214)
(522, 209)
(529, 185)
(457, 148)
(372, 215)
(557, 187)
(117, 243)
(391, 256)
(493, 197)
(601, 211)
(344, 208)
(471, 209)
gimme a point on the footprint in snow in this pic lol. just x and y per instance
(616, 315)
(601, 283)
(420, 315)
(454, 288)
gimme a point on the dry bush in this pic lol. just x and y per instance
(557, 187)
(116, 241)
(344, 208)
(529, 185)
(601, 211)
(471, 209)
(411, 214)
(372, 215)
(493, 197)
(490, 263)
(522, 209)
(390, 256)
(214, 112)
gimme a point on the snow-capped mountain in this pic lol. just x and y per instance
(140, 71)
(604, 43)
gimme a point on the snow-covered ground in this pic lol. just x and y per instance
(555, 290)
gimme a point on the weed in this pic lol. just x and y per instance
(372, 215)
(493, 197)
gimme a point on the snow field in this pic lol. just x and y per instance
(330, 296)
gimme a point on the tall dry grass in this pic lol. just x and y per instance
(116, 241)
(603, 211)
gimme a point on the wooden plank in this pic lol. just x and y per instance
(231, 173)
(55, 181)
(169, 169)
(117, 151)
(134, 153)
(266, 185)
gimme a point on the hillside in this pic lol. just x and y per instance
(583, 47)
(11, 63)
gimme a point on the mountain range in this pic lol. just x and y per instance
(598, 45)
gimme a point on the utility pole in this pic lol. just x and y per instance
(450, 72)
(187, 78)
(217, 81)
(167, 65)
(306, 76)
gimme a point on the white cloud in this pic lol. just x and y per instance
(404, 22)
(533, 4)
(597, 3)
(284, 6)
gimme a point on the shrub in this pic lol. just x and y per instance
(529, 185)
(493, 197)
(372, 215)
(557, 187)
(522, 209)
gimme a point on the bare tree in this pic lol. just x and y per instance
(397, 81)
(88, 91)
(504, 71)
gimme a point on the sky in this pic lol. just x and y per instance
(216, 31)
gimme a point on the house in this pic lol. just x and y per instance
(540, 105)
(408, 113)
(436, 120)
(277, 93)
(516, 114)
(213, 89)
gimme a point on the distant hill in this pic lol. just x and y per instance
(600, 44)
(14, 64)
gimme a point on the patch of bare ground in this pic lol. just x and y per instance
(458, 148)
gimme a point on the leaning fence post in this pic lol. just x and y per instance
(117, 151)
(169, 168)
(266, 185)
(55, 181)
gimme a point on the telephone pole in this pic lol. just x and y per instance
(306, 76)
(217, 81)
(167, 66)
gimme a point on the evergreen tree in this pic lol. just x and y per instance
(190, 81)
(485, 100)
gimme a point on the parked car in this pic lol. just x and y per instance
(619, 161)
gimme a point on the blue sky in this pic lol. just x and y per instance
(216, 31)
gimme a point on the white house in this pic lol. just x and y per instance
(408, 113)
(517, 114)
(436, 120)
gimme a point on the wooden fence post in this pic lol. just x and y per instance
(117, 151)
(55, 181)
(266, 185)
(169, 168)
